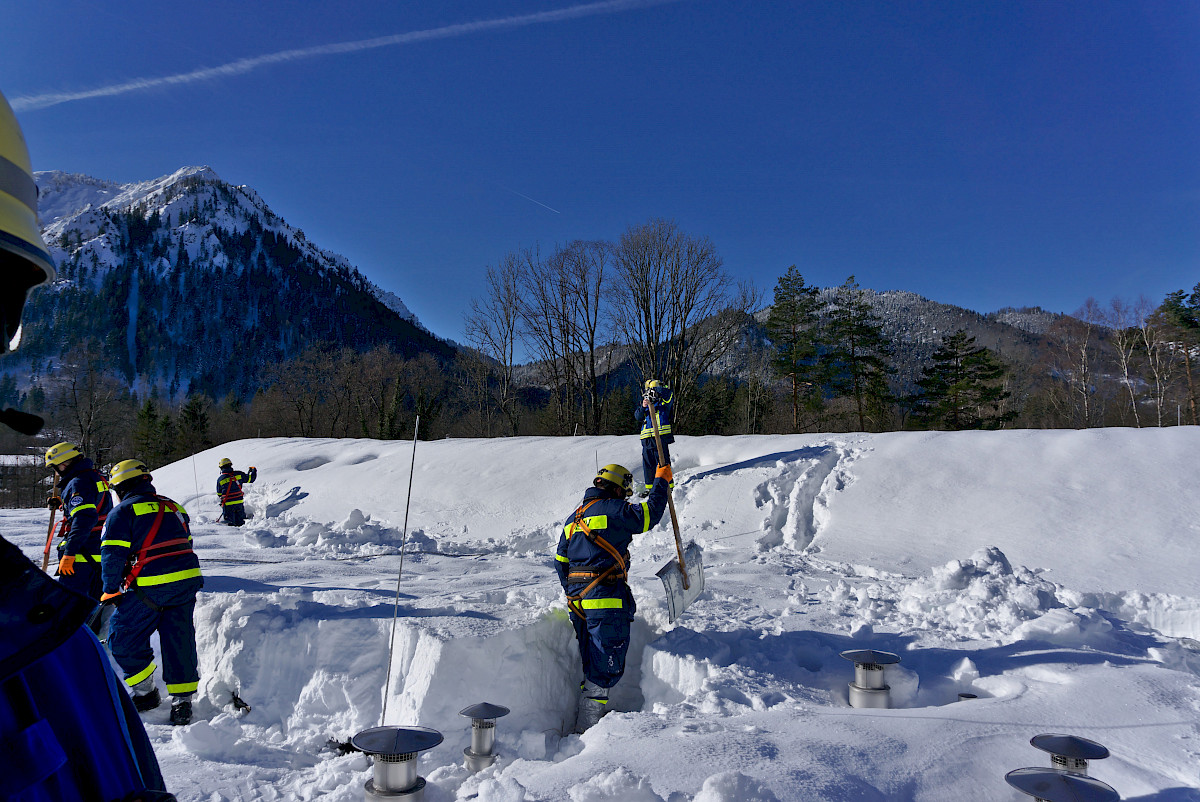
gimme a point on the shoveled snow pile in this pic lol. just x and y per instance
(1054, 575)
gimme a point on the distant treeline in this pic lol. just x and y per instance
(601, 318)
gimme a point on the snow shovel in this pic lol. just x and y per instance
(682, 577)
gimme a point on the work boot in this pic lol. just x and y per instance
(147, 701)
(593, 704)
(181, 710)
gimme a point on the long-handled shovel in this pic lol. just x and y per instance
(50, 529)
(683, 577)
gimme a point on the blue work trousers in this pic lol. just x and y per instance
(234, 514)
(136, 619)
(650, 460)
(604, 641)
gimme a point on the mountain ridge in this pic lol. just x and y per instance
(188, 283)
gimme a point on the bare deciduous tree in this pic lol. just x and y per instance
(1163, 360)
(1126, 320)
(90, 403)
(1073, 363)
(492, 327)
(677, 304)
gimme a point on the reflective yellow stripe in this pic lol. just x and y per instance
(141, 675)
(561, 558)
(163, 579)
(102, 486)
(593, 522)
(124, 543)
(81, 508)
(602, 604)
(182, 687)
(231, 503)
(147, 507)
(645, 516)
(86, 557)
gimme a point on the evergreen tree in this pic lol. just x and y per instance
(962, 388)
(792, 326)
(1180, 314)
(194, 424)
(856, 364)
(153, 434)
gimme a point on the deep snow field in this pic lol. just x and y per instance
(1054, 574)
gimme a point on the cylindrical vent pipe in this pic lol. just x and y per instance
(869, 688)
(1055, 785)
(479, 755)
(395, 750)
(1069, 752)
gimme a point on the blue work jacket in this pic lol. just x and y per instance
(616, 521)
(666, 408)
(229, 485)
(125, 534)
(86, 504)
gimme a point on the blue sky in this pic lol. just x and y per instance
(985, 154)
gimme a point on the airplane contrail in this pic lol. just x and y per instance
(245, 65)
(531, 200)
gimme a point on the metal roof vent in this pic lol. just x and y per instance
(868, 688)
(394, 750)
(1069, 752)
(483, 717)
(1055, 785)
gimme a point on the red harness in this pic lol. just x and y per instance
(143, 556)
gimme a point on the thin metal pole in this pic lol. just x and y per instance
(387, 685)
(196, 483)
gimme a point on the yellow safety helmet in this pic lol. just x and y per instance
(62, 453)
(617, 475)
(225, 463)
(126, 470)
(652, 383)
(25, 260)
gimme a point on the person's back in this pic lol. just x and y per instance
(152, 574)
(592, 561)
(229, 489)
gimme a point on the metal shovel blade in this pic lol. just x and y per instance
(678, 598)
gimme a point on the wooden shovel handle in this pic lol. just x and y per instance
(670, 501)
(49, 539)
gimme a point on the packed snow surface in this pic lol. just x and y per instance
(1054, 575)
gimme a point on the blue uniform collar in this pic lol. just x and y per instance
(78, 468)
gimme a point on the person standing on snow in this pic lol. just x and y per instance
(86, 502)
(663, 399)
(69, 733)
(592, 563)
(229, 488)
(153, 575)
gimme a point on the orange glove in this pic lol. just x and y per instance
(66, 566)
(664, 472)
(106, 596)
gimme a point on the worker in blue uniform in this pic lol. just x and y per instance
(69, 733)
(153, 575)
(656, 398)
(593, 568)
(229, 488)
(86, 502)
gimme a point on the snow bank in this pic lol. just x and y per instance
(931, 546)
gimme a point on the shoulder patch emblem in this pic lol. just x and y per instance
(75, 501)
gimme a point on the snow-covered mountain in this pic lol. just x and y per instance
(187, 281)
